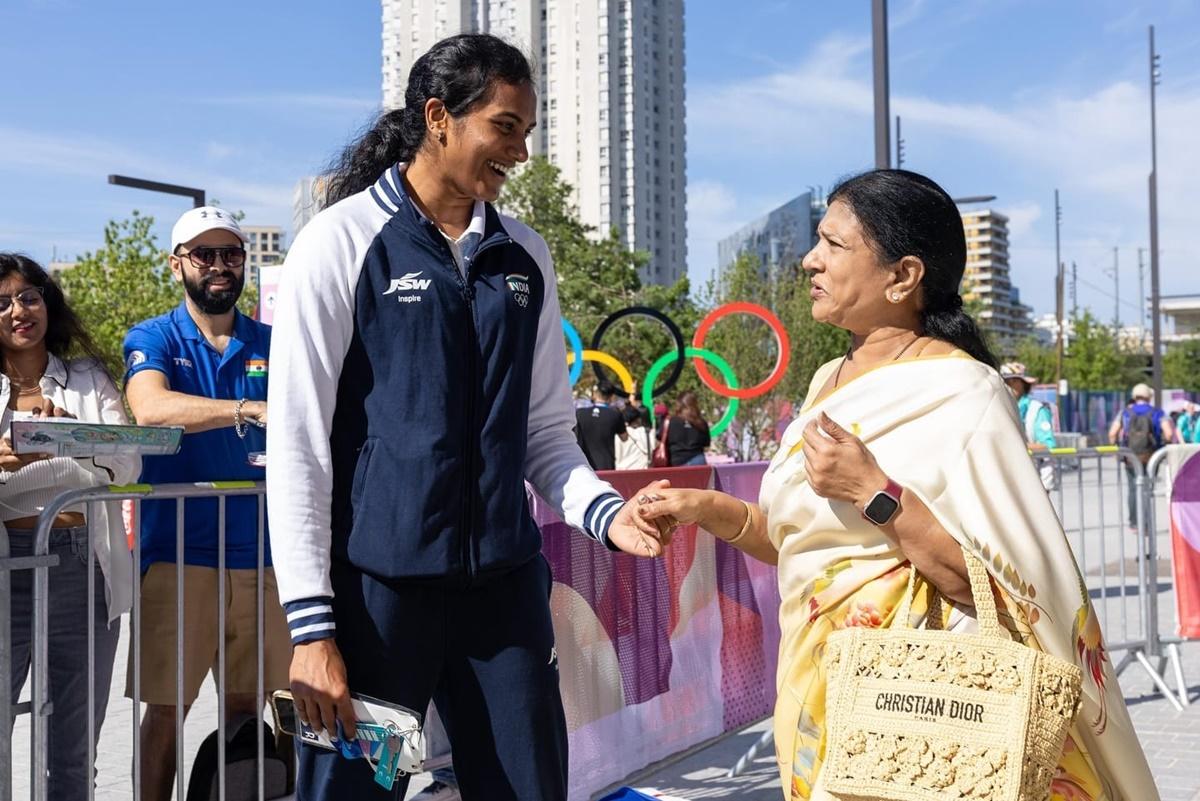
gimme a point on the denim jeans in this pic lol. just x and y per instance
(68, 686)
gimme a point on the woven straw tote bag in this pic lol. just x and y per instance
(931, 715)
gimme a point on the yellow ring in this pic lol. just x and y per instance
(611, 363)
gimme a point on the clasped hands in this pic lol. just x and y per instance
(837, 463)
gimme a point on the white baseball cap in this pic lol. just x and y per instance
(206, 218)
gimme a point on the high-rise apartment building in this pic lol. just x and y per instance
(987, 280)
(264, 247)
(611, 115)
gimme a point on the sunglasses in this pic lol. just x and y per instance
(203, 258)
(29, 299)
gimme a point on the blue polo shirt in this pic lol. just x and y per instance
(174, 346)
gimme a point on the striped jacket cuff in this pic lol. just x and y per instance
(599, 517)
(310, 619)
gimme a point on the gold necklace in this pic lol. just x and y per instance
(24, 391)
(837, 377)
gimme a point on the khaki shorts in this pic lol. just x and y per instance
(200, 643)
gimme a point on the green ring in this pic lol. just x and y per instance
(703, 353)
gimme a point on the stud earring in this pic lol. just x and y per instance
(895, 297)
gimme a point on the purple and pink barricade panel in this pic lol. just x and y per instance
(1185, 544)
(656, 656)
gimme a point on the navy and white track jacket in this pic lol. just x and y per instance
(408, 403)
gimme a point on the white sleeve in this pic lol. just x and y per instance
(311, 333)
(554, 464)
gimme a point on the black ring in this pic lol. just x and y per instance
(672, 329)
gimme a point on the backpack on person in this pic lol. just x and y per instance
(241, 766)
(1141, 434)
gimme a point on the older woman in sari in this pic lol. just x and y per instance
(907, 448)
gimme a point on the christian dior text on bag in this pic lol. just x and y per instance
(931, 715)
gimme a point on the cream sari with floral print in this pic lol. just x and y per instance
(946, 429)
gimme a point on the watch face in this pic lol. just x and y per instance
(881, 508)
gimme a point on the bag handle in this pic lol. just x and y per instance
(981, 593)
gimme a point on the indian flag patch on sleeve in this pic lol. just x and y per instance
(256, 368)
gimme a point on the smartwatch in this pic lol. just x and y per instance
(884, 504)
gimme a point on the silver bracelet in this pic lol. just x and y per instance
(239, 425)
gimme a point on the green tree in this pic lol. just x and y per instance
(1181, 365)
(1094, 359)
(124, 282)
(596, 275)
(1039, 359)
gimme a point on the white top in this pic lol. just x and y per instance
(84, 389)
(635, 451)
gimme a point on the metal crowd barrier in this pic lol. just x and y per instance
(1084, 505)
(40, 708)
(1085, 509)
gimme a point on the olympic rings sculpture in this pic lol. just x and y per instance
(677, 358)
(696, 353)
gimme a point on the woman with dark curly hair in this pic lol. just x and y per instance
(51, 369)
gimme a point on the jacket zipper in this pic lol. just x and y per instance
(467, 527)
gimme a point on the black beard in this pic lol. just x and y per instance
(210, 302)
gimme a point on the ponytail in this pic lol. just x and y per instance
(461, 72)
(396, 136)
(944, 319)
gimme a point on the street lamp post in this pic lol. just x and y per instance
(1058, 292)
(883, 117)
(1155, 318)
(197, 195)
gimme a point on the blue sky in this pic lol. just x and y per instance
(1005, 97)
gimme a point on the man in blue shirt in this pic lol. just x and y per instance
(1143, 428)
(1036, 418)
(202, 366)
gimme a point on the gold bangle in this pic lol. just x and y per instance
(745, 526)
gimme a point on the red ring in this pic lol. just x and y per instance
(781, 339)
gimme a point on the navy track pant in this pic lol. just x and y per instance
(485, 654)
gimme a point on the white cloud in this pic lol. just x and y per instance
(218, 151)
(711, 209)
(1021, 218)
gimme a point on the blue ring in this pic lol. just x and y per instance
(576, 348)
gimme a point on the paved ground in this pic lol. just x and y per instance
(1095, 522)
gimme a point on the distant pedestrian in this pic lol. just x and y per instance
(687, 432)
(1036, 418)
(598, 427)
(1186, 429)
(634, 450)
(1143, 428)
